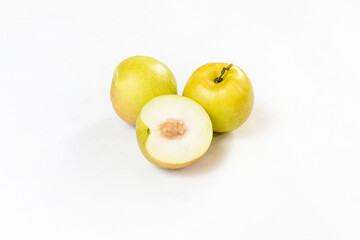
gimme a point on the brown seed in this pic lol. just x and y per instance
(172, 128)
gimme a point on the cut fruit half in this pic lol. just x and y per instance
(173, 131)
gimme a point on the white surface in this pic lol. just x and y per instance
(71, 169)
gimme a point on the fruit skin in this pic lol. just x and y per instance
(142, 133)
(228, 103)
(136, 80)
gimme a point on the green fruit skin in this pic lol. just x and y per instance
(136, 80)
(228, 103)
(142, 133)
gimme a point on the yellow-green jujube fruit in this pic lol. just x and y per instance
(224, 91)
(136, 80)
(173, 131)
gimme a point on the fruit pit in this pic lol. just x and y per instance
(172, 128)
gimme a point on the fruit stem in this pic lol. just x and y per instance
(220, 79)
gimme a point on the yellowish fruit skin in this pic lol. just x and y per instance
(142, 133)
(228, 103)
(136, 80)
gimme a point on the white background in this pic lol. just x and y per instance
(71, 169)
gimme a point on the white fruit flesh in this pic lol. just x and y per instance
(180, 130)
